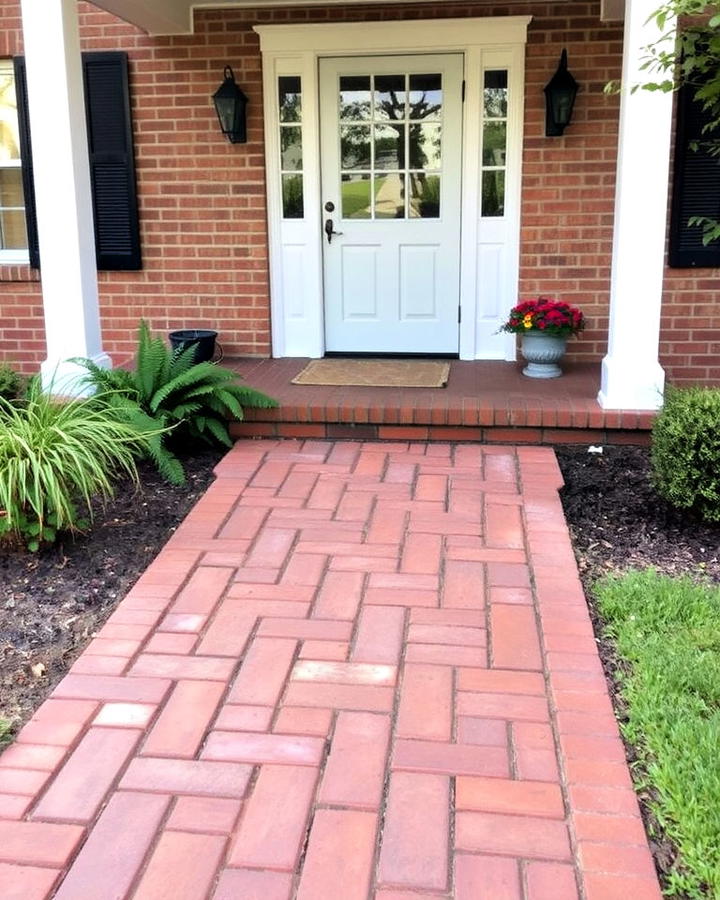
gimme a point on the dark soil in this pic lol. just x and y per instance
(618, 522)
(52, 602)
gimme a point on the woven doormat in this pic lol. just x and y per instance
(375, 373)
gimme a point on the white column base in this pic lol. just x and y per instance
(628, 384)
(65, 378)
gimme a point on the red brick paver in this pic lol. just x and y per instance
(355, 671)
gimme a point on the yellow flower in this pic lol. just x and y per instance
(527, 320)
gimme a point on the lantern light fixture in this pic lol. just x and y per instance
(230, 104)
(560, 93)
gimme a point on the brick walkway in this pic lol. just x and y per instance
(331, 685)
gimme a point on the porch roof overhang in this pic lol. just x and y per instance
(166, 17)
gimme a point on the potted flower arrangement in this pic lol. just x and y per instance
(545, 325)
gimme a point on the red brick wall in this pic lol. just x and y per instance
(202, 203)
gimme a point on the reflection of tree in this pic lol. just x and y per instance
(355, 147)
(495, 102)
(290, 108)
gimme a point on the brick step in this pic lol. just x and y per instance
(483, 402)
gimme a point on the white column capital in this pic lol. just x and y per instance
(632, 377)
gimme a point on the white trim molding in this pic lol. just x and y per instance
(490, 246)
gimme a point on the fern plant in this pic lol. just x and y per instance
(55, 457)
(173, 400)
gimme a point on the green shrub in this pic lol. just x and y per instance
(686, 451)
(11, 384)
(55, 456)
(174, 400)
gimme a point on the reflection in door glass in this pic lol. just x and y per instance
(494, 142)
(425, 96)
(290, 98)
(424, 146)
(355, 147)
(390, 139)
(424, 196)
(389, 147)
(495, 94)
(291, 158)
(356, 199)
(390, 196)
(291, 149)
(292, 196)
(355, 97)
(493, 192)
(390, 97)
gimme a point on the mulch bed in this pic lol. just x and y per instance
(52, 602)
(618, 522)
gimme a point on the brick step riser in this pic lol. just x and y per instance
(484, 435)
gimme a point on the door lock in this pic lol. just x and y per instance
(330, 230)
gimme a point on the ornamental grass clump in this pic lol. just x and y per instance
(55, 458)
(685, 451)
(553, 317)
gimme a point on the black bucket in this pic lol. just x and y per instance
(203, 341)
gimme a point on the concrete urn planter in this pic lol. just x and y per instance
(542, 353)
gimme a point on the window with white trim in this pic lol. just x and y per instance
(13, 233)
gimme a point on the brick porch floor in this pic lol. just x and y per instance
(356, 671)
(483, 401)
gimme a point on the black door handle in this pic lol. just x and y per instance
(330, 230)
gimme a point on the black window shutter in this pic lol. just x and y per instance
(26, 159)
(696, 187)
(112, 163)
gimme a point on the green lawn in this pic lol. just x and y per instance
(668, 630)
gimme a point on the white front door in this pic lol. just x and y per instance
(391, 150)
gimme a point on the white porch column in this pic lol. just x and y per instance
(62, 189)
(632, 377)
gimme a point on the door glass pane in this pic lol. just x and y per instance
(495, 94)
(291, 148)
(425, 142)
(11, 191)
(289, 97)
(425, 96)
(9, 139)
(389, 147)
(424, 196)
(292, 195)
(493, 193)
(390, 137)
(390, 196)
(355, 97)
(494, 143)
(390, 97)
(356, 200)
(355, 147)
(12, 229)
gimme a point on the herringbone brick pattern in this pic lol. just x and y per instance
(355, 671)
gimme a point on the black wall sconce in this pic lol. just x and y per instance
(560, 93)
(230, 104)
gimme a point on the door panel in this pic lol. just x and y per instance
(391, 140)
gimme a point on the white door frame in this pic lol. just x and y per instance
(489, 246)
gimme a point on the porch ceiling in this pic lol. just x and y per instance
(161, 17)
